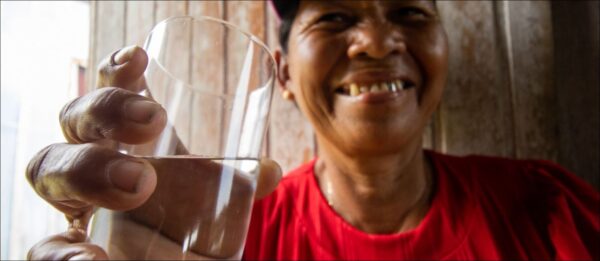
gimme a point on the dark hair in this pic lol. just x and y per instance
(287, 19)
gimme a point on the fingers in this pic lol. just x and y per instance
(74, 178)
(196, 192)
(148, 244)
(71, 245)
(124, 69)
(269, 176)
(112, 113)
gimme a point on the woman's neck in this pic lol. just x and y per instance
(378, 195)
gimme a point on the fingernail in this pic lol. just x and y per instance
(125, 174)
(141, 111)
(124, 55)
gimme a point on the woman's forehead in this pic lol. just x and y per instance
(365, 3)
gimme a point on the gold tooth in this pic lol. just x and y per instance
(354, 90)
(393, 86)
(400, 85)
(384, 87)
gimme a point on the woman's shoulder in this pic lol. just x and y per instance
(499, 170)
(528, 195)
(515, 182)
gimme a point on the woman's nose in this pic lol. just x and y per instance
(377, 41)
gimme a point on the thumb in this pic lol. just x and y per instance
(71, 245)
(124, 68)
(268, 177)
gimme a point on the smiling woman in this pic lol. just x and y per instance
(364, 45)
(368, 76)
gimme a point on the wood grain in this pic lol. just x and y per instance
(576, 27)
(138, 22)
(108, 30)
(166, 9)
(90, 73)
(249, 17)
(176, 98)
(207, 72)
(476, 108)
(527, 32)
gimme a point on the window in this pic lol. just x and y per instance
(44, 49)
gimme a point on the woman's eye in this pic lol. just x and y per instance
(335, 18)
(410, 14)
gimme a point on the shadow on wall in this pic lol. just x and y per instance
(577, 81)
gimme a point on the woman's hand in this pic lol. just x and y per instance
(87, 172)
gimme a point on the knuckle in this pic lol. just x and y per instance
(102, 98)
(103, 66)
(94, 116)
(104, 69)
(33, 255)
(87, 155)
(87, 165)
(66, 121)
(42, 250)
(106, 106)
(34, 168)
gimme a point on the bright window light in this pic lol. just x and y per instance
(44, 52)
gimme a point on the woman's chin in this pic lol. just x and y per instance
(373, 145)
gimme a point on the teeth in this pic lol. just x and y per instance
(364, 89)
(374, 88)
(394, 86)
(378, 88)
(354, 90)
(400, 84)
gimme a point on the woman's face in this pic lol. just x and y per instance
(367, 74)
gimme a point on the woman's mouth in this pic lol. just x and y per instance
(357, 89)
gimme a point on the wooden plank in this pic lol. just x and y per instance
(576, 34)
(90, 73)
(166, 9)
(176, 98)
(206, 8)
(476, 110)
(207, 75)
(527, 30)
(138, 22)
(108, 29)
(249, 17)
(291, 137)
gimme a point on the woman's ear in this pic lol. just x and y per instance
(283, 75)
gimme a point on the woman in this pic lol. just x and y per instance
(367, 75)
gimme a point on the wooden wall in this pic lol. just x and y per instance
(502, 96)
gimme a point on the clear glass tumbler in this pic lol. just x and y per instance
(216, 82)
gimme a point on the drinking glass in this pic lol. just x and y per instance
(215, 82)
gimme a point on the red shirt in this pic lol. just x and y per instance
(482, 208)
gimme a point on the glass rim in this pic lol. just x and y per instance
(199, 18)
